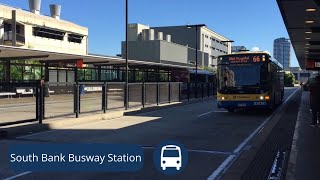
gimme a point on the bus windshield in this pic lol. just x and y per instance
(170, 153)
(241, 75)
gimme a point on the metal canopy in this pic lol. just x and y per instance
(302, 20)
(18, 53)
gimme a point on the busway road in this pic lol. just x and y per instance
(212, 137)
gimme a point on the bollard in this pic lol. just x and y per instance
(179, 94)
(188, 91)
(169, 93)
(143, 90)
(41, 105)
(76, 99)
(158, 98)
(104, 98)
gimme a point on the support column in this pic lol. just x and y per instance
(99, 73)
(46, 72)
(8, 71)
(14, 28)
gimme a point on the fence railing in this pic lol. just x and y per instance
(36, 103)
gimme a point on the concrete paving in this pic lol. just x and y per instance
(304, 161)
(200, 127)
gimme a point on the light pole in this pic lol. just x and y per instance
(196, 76)
(127, 66)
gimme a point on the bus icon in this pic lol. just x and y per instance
(171, 157)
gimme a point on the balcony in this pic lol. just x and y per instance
(7, 38)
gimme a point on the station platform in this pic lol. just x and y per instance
(304, 159)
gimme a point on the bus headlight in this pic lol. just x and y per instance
(222, 98)
(267, 98)
(261, 98)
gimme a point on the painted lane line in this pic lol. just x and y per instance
(211, 152)
(197, 151)
(228, 162)
(172, 108)
(18, 175)
(222, 166)
(221, 111)
(206, 113)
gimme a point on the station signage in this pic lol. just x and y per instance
(312, 65)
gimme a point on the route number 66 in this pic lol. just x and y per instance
(256, 58)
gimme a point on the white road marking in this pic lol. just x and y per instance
(206, 113)
(221, 111)
(197, 151)
(228, 162)
(18, 175)
(221, 167)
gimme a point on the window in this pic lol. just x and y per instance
(207, 36)
(206, 46)
(213, 48)
(304, 75)
(48, 33)
(75, 38)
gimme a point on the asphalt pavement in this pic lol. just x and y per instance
(211, 136)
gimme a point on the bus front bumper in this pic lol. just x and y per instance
(242, 104)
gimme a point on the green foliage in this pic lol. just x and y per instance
(211, 69)
(289, 79)
(2, 72)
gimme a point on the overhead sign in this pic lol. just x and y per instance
(312, 65)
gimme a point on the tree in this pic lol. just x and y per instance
(211, 69)
(289, 79)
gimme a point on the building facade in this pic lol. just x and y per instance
(302, 75)
(237, 48)
(281, 51)
(210, 44)
(30, 29)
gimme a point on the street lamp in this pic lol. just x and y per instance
(127, 73)
(196, 76)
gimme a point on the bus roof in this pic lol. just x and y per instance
(247, 52)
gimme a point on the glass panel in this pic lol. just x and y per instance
(233, 75)
(16, 72)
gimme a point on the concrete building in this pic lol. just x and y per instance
(237, 48)
(181, 39)
(302, 75)
(36, 31)
(146, 45)
(281, 51)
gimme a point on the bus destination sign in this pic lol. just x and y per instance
(246, 59)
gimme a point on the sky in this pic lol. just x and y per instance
(252, 23)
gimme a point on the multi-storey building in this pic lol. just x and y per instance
(209, 43)
(237, 48)
(281, 51)
(32, 30)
